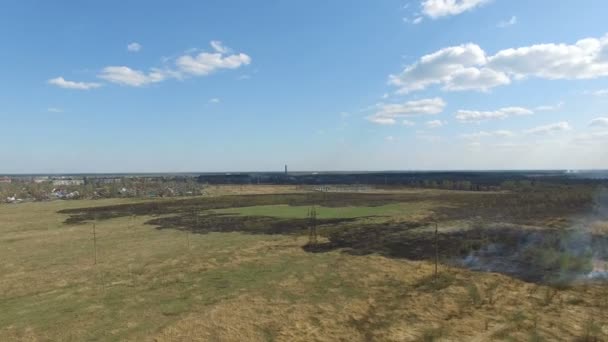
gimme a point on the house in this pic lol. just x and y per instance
(62, 194)
(113, 180)
(5, 180)
(13, 199)
(67, 182)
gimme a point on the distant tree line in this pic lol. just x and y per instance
(469, 181)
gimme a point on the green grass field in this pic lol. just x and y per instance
(170, 285)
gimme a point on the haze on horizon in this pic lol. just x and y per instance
(342, 85)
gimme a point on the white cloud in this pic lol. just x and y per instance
(435, 123)
(467, 67)
(390, 138)
(548, 108)
(503, 133)
(503, 113)
(599, 122)
(475, 79)
(587, 58)
(600, 92)
(201, 64)
(219, 47)
(126, 76)
(456, 67)
(417, 20)
(408, 123)
(205, 63)
(442, 8)
(550, 128)
(382, 120)
(134, 47)
(214, 100)
(54, 110)
(388, 113)
(591, 138)
(475, 136)
(63, 83)
(484, 134)
(507, 23)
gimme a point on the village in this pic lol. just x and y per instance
(19, 189)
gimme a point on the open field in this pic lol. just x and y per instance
(238, 268)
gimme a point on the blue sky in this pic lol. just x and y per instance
(133, 86)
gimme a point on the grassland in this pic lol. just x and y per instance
(177, 285)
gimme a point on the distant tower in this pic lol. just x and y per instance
(285, 169)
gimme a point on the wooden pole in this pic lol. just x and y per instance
(436, 249)
(314, 225)
(94, 244)
(309, 219)
(187, 240)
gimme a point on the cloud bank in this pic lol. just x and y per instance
(469, 67)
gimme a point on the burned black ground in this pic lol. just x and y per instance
(534, 255)
(222, 223)
(529, 206)
(201, 204)
(549, 254)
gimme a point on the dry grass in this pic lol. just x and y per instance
(168, 285)
(599, 227)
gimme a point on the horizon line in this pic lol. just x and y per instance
(296, 172)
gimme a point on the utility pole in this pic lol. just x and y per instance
(94, 245)
(436, 249)
(312, 226)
